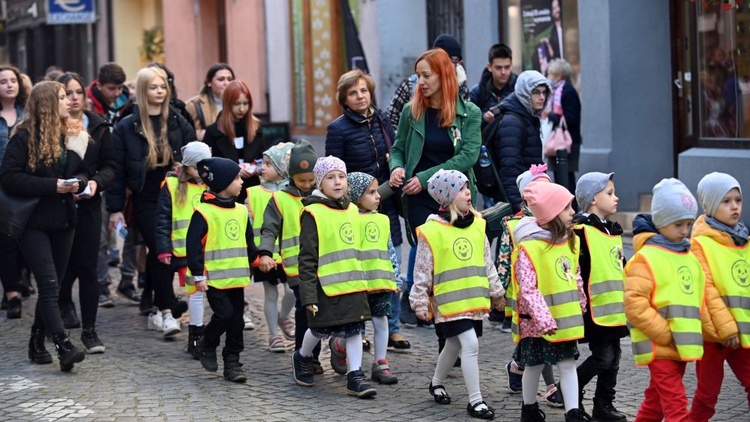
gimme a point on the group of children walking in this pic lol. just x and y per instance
(314, 228)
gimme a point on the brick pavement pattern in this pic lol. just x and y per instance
(144, 377)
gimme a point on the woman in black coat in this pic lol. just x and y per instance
(99, 167)
(45, 159)
(566, 102)
(147, 146)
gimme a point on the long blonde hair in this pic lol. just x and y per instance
(159, 150)
(42, 120)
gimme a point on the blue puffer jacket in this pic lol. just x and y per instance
(515, 154)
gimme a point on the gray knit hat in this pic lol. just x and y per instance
(712, 189)
(672, 202)
(589, 185)
(445, 185)
(193, 152)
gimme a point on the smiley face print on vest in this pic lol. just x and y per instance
(372, 232)
(232, 229)
(346, 233)
(685, 280)
(741, 273)
(462, 249)
(196, 199)
(563, 268)
(615, 255)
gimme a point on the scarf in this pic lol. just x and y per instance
(461, 222)
(739, 233)
(557, 97)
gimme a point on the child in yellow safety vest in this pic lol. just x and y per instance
(273, 178)
(220, 250)
(180, 193)
(281, 229)
(664, 290)
(720, 242)
(332, 286)
(602, 269)
(549, 296)
(456, 280)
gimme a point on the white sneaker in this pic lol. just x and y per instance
(248, 320)
(171, 326)
(155, 321)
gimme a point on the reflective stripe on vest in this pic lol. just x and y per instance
(460, 283)
(375, 231)
(257, 200)
(510, 295)
(225, 248)
(339, 267)
(606, 284)
(289, 207)
(678, 295)
(730, 270)
(182, 213)
(555, 267)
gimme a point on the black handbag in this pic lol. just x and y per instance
(15, 212)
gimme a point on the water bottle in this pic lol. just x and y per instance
(484, 157)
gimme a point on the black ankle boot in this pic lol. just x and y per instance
(67, 352)
(577, 415)
(604, 410)
(233, 369)
(532, 413)
(195, 334)
(37, 352)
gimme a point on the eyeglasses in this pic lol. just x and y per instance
(539, 92)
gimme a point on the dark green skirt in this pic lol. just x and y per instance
(532, 351)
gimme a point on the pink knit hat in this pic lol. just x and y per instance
(546, 200)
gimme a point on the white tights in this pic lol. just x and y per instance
(467, 344)
(195, 308)
(568, 383)
(353, 348)
(380, 325)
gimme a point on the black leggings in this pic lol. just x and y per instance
(47, 253)
(10, 260)
(159, 276)
(83, 263)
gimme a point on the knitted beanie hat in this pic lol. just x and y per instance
(450, 44)
(536, 172)
(589, 185)
(218, 173)
(194, 152)
(302, 158)
(672, 202)
(546, 200)
(445, 185)
(326, 165)
(358, 183)
(712, 189)
(279, 155)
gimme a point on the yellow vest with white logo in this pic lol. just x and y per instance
(339, 267)
(679, 286)
(257, 200)
(460, 283)
(225, 249)
(375, 230)
(730, 270)
(510, 295)
(606, 290)
(182, 213)
(290, 207)
(555, 267)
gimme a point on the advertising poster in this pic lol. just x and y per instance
(542, 33)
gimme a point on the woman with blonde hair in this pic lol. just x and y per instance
(44, 159)
(148, 144)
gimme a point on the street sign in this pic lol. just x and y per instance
(70, 12)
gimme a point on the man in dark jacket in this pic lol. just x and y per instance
(516, 143)
(496, 83)
(108, 93)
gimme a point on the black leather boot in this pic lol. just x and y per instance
(532, 413)
(37, 352)
(195, 334)
(67, 352)
(604, 410)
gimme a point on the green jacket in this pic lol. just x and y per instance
(407, 150)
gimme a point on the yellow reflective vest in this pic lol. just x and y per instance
(181, 213)
(257, 200)
(730, 270)
(556, 267)
(375, 231)
(339, 267)
(679, 287)
(510, 296)
(225, 249)
(606, 284)
(290, 208)
(460, 282)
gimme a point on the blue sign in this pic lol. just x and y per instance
(70, 11)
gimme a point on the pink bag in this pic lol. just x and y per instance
(559, 138)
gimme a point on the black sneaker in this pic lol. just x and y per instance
(67, 353)
(233, 372)
(91, 341)
(14, 308)
(515, 378)
(532, 413)
(303, 370)
(69, 316)
(208, 359)
(577, 415)
(604, 410)
(357, 385)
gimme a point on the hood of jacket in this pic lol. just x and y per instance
(525, 83)
(528, 229)
(646, 233)
(513, 104)
(613, 228)
(317, 197)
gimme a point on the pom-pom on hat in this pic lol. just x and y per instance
(589, 185)
(358, 183)
(445, 185)
(712, 188)
(672, 202)
(546, 200)
(537, 171)
(194, 152)
(218, 173)
(326, 165)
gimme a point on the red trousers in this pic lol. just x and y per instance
(710, 374)
(665, 397)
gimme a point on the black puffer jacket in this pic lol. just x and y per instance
(516, 145)
(481, 94)
(99, 163)
(131, 150)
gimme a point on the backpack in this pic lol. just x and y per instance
(488, 178)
